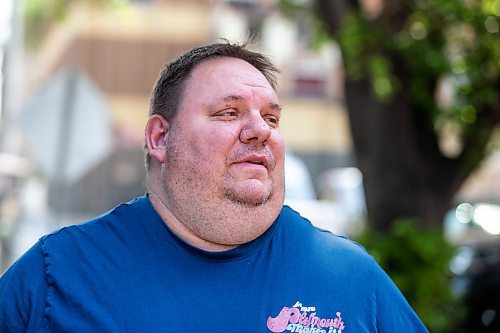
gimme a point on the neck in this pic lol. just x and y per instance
(181, 230)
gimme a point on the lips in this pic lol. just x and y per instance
(255, 160)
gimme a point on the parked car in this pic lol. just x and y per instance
(341, 213)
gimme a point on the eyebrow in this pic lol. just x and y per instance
(232, 98)
(235, 98)
(276, 106)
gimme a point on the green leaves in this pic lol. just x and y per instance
(383, 82)
(428, 41)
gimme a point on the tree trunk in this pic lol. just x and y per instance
(401, 173)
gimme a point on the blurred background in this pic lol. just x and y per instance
(391, 120)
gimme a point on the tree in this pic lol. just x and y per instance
(398, 57)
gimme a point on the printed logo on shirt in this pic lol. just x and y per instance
(305, 319)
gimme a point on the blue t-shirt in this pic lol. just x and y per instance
(125, 271)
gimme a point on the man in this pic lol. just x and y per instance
(210, 248)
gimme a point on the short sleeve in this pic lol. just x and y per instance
(23, 292)
(394, 314)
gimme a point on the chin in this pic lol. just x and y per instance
(250, 200)
(249, 196)
(252, 192)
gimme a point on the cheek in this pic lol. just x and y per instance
(222, 135)
(278, 147)
(214, 143)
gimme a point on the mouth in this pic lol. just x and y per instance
(255, 160)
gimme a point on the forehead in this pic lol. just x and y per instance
(224, 74)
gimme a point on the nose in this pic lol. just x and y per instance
(255, 130)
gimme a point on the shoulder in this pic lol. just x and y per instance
(102, 228)
(321, 242)
(64, 252)
(347, 264)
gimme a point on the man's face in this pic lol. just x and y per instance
(224, 145)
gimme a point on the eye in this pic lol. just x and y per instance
(272, 120)
(227, 114)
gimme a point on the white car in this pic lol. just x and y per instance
(342, 214)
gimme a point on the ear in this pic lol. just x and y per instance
(156, 132)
